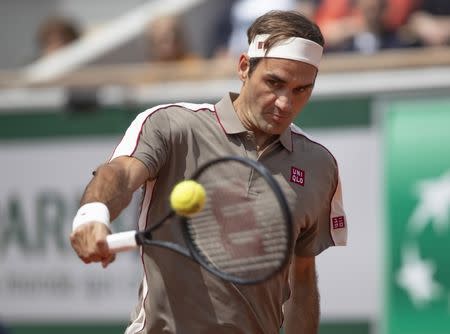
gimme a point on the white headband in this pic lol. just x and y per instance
(294, 48)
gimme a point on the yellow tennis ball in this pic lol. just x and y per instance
(187, 198)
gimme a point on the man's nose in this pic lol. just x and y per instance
(284, 102)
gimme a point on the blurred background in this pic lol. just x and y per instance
(74, 74)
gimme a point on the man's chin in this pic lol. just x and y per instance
(275, 130)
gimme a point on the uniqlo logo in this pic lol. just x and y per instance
(297, 176)
(260, 45)
(338, 222)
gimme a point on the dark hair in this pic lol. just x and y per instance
(281, 25)
(284, 24)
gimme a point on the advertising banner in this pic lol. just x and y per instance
(417, 151)
(41, 278)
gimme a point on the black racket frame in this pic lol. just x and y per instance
(145, 237)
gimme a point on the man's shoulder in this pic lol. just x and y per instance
(166, 112)
(179, 106)
(303, 141)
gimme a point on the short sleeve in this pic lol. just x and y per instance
(147, 140)
(328, 228)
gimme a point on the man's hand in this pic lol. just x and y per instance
(89, 242)
(106, 195)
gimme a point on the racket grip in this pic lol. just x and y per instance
(122, 241)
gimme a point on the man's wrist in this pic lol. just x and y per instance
(91, 212)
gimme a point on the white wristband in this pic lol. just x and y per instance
(91, 212)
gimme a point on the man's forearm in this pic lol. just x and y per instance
(108, 186)
(302, 314)
(302, 310)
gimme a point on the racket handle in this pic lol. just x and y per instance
(122, 242)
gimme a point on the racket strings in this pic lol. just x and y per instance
(240, 231)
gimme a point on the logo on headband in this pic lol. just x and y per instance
(260, 45)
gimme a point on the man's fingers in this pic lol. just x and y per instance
(89, 242)
(103, 250)
(108, 260)
(76, 241)
(102, 246)
(85, 259)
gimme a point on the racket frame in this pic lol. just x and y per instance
(145, 238)
(282, 202)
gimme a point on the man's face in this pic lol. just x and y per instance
(274, 94)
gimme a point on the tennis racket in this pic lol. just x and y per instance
(243, 234)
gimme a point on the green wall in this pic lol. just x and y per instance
(325, 328)
(20, 124)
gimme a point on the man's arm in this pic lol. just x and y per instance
(302, 309)
(113, 185)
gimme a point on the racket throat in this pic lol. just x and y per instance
(141, 238)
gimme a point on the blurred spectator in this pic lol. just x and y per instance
(364, 26)
(166, 40)
(244, 12)
(55, 33)
(429, 25)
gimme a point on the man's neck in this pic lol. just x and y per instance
(263, 140)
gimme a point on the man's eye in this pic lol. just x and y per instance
(301, 90)
(273, 83)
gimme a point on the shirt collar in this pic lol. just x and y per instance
(227, 116)
(231, 123)
(286, 139)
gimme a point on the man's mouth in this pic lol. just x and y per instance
(278, 117)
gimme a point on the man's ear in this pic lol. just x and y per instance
(243, 67)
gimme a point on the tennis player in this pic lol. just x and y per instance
(166, 143)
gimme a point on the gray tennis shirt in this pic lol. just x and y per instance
(176, 294)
